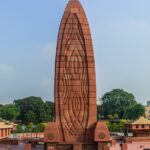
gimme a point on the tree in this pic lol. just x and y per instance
(39, 128)
(30, 116)
(19, 129)
(29, 128)
(49, 108)
(116, 126)
(10, 112)
(34, 109)
(135, 111)
(118, 102)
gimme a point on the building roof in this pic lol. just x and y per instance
(142, 121)
(6, 124)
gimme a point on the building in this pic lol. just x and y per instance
(6, 128)
(147, 112)
(148, 103)
(139, 128)
(141, 135)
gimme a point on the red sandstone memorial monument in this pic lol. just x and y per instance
(75, 126)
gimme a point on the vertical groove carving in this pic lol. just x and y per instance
(75, 99)
(75, 88)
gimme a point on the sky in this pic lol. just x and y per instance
(28, 38)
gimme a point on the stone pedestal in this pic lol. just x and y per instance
(51, 148)
(77, 147)
(106, 147)
(28, 147)
(101, 146)
(124, 146)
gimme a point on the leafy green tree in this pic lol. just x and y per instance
(116, 126)
(10, 112)
(49, 110)
(39, 128)
(116, 116)
(110, 117)
(34, 109)
(29, 128)
(122, 124)
(117, 103)
(19, 129)
(135, 111)
(30, 116)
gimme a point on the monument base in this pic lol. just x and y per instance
(82, 146)
(100, 140)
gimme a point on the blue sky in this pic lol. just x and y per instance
(28, 36)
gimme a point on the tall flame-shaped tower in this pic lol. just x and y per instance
(75, 83)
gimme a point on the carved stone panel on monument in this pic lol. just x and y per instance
(74, 71)
(75, 85)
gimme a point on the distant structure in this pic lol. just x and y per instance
(75, 126)
(139, 128)
(148, 103)
(141, 135)
(6, 128)
(147, 110)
